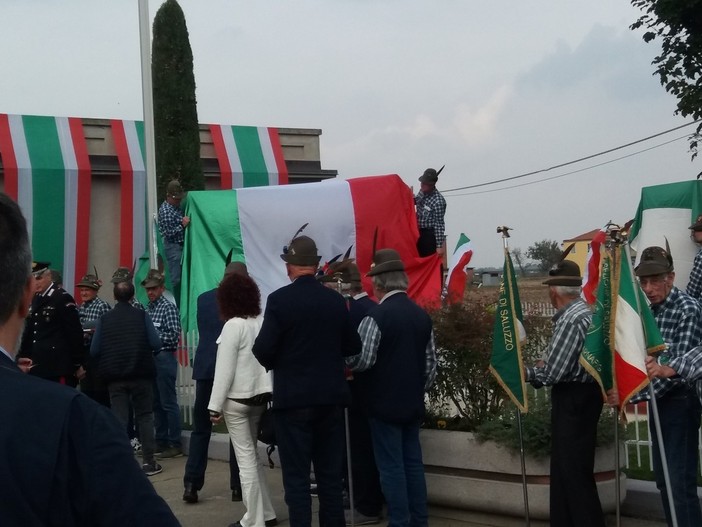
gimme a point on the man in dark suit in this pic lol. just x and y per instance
(209, 327)
(305, 336)
(66, 461)
(53, 335)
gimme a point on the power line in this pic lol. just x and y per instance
(561, 165)
(571, 172)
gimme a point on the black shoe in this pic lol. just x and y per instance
(236, 494)
(271, 523)
(235, 524)
(190, 494)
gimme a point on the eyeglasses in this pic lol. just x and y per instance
(653, 280)
(39, 274)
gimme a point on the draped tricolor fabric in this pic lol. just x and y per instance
(248, 156)
(47, 171)
(257, 222)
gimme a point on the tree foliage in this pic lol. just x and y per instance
(678, 26)
(175, 107)
(518, 257)
(546, 252)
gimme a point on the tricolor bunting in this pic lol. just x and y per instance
(455, 284)
(591, 276)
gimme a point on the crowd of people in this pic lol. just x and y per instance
(321, 354)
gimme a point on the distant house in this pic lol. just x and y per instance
(581, 245)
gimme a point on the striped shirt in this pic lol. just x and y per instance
(166, 320)
(694, 286)
(92, 310)
(679, 319)
(431, 209)
(170, 223)
(563, 353)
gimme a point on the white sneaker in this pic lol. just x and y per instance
(136, 445)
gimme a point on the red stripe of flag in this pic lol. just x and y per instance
(225, 169)
(9, 161)
(592, 268)
(80, 148)
(279, 157)
(126, 199)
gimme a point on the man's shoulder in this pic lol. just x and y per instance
(685, 303)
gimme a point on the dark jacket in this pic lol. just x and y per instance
(124, 342)
(209, 327)
(53, 335)
(393, 389)
(306, 333)
(67, 461)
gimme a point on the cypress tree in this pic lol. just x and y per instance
(176, 131)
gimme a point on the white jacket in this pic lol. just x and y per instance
(238, 375)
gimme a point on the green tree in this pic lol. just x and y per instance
(678, 25)
(175, 106)
(546, 252)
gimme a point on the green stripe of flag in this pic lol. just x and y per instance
(248, 146)
(48, 187)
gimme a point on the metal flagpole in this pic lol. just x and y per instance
(505, 244)
(349, 469)
(616, 238)
(149, 136)
(654, 412)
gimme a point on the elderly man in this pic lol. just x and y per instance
(166, 320)
(694, 286)
(396, 367)
(680, 322)
(171, 225)
(576, 404)
(431, 208)
(92, 307)
(305, 336)
(66, 461)
(124, 341)
(53, 336)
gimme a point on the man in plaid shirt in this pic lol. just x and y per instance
(694, 286)
(431, 208)
(92, 307)
(680, 320)
(576, 404)
(171, 225)
(166, 320)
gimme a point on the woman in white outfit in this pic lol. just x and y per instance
(240, 391)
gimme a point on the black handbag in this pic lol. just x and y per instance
(266, 432)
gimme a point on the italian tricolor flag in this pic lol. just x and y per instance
(257, 222)
(665, 212)
(248, 156)
(47, 171)
(455, 284)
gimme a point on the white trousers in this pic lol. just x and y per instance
(242, 423)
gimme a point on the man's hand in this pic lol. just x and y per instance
(25, 364)
(612, 397)
(80, 373)
(658, 370)
(440, 250)
(185, 221)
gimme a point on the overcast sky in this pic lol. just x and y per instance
(491, 89)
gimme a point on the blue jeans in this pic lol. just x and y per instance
(312, 435)
(196, 465)
(174, 253)
(166, 409)
(398, 455)
(679, 413)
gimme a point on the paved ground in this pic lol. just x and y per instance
(215, 507)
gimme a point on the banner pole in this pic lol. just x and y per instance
(615, 255)
(505, 244)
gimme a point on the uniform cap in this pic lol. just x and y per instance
(154, 278)
(384, 261)
(91, 281)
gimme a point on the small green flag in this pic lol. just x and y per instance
(597, 356)
(506, 360)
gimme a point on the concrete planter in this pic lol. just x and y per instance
(463, 473)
